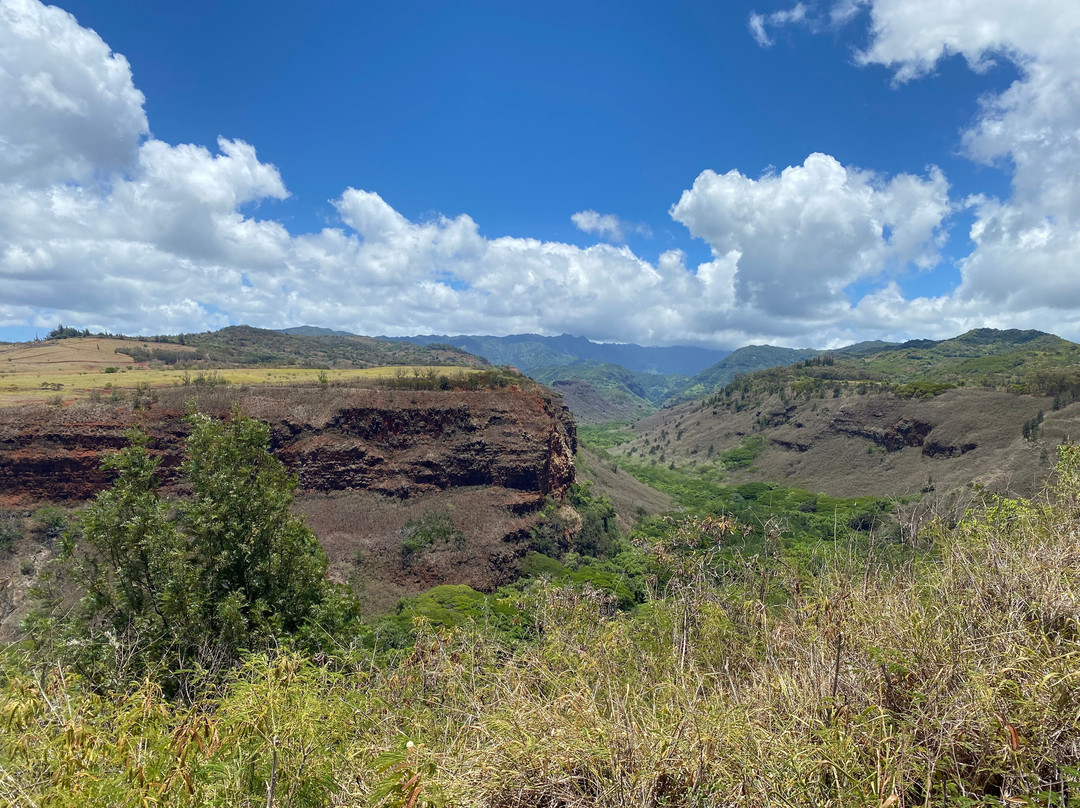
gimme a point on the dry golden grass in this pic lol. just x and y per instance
(68, 356)
(72, 369)
(951, 679)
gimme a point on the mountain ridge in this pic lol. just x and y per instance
(527, 352)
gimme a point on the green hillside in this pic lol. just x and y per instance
(245, 345)
(744, 360)
(1016, 361)
(984, 356)
(625, 389)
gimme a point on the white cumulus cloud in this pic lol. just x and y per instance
(1026, 247)
(602, 224)
(797, 239)
(607, 225)
(103, 226)
(68, 106)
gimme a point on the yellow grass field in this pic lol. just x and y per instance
(73, 368)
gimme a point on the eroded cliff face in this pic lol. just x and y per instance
(397, 443)
(370, 463)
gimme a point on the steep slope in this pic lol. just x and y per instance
(876, 444)
(744, 360)
(598, 392)
(629, 497)
(374, 467)
(592, 406)
(987, 406)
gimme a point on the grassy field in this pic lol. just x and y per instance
(78, 368)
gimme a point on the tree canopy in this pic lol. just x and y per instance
(169, 587)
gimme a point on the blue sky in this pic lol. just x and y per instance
(695, 173)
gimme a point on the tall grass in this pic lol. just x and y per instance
(953, 679)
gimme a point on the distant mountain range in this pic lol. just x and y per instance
(608, 381)
(604, 382)
(530, 352)
(599, 381)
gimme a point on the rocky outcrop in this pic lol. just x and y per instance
(370, 464)
(390, 442)
(892, 438)
(937, 449)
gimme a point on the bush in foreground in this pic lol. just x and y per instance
(951, 680)
(167, 588)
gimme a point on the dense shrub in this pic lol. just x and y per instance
(169, 587)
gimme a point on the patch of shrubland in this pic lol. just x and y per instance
(949, 676)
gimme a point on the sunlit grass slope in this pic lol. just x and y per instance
(74, 368)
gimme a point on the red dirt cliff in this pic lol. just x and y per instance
(370, 463)
(400, 443)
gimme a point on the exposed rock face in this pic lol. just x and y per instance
(370, 463)
(396, 443)
(892, 438)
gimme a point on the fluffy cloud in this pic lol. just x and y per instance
(126, 232)
(607, 225)
(799, 238)
(1026, 248)
(68, 107)
(1022, 269)
(604, 225)
(104, 226)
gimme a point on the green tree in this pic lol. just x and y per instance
(171, 587)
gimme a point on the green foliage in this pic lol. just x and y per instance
(595, 534)
(11, 528)
(1030, 429)
(744, 455)
(171, 587)
(51, 521)
(456, 606)
(803, 518)
(599, 534)
(923, 390)
(432, 529)
(605, 436)
(403, 778)
(488, 379)
(624, 586)
(948, 679)
(66, 332)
